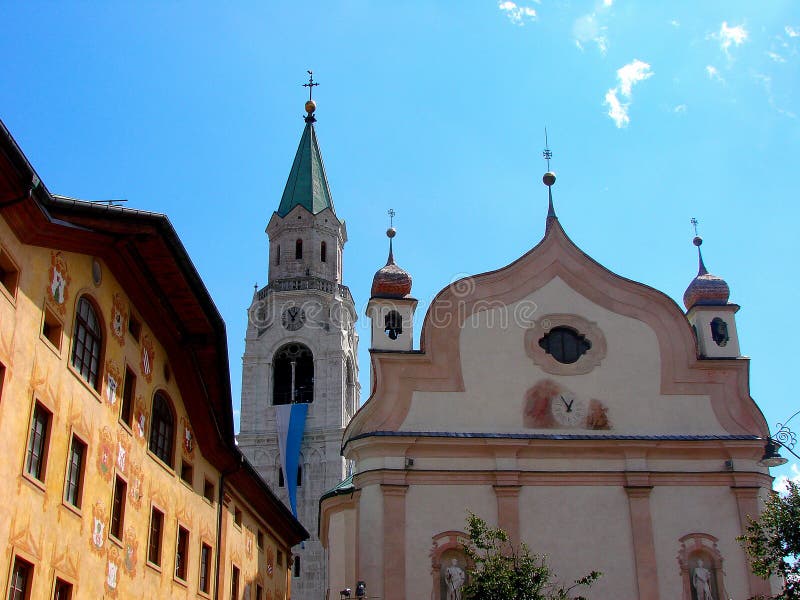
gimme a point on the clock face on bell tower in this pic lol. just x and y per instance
(293, 318)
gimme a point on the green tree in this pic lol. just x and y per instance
(502, 571)
(773, 541)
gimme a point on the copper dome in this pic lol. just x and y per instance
(391, 281)
(705, 289)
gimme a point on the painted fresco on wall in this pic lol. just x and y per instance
(131, 546)
(112, 572)
(58, 282)
(148, 356)
(119, 319)
(97, 539)
(270, 562)
(187, 438)
(22, 536)
(140, 418)
(248, 542)
(550, 405)
(106, 454)
(113, 379)
(123, 450)
(135, 491)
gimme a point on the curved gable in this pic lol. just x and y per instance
(643, 312)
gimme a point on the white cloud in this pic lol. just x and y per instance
(675, 23)
(776, 57)
(779, 484)
(792, 32)
(608, 2)
(616, 110)
(588, 29)
(680, 109)
(627, 76)
(634, 72)
(517, 14)
(730, 36)
(713, 73)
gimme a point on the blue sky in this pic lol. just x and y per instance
(656, 112)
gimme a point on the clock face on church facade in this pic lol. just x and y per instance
(568, 409)
(551, 405)
(293, 318)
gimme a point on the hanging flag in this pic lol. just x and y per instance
(291, 422)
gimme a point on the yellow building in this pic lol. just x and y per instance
(121, 477)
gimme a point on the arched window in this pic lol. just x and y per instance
(393, 324)
(87, 342)
(162, 429)
(293, 375)
(278, 255)
(323, 252)
(298, 249)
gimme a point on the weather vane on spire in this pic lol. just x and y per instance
(391, 217)
(311, 83)
(694, 223)
(547, 153)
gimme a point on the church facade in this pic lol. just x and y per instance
(586, 414)
(300, 370)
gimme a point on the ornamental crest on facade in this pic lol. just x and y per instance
(113, 379)
(58, 281)
(119, 318)
(140, 418)
(112, 572)
(135, 487)
(187, 438)
(98, 528)
(123, 450)
(270, 562)
(131, 546)
(106, 454)
(148, 355)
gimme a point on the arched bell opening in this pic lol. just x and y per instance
(293, 372)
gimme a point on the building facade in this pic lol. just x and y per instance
(121, 474)
(586, 414)
(300, 370)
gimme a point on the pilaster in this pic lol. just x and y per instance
(643, 540)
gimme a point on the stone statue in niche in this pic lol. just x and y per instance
(719, 331)
(701, 581)
(454, 577)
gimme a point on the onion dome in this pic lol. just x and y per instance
(705, 289)
(391, 281)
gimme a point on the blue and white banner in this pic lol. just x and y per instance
(291, 422)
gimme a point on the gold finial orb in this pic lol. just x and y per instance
(391, 232)
(549, 178)
(311, 106)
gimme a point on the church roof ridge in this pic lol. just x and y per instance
(307, 184)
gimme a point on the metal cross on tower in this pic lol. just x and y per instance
(547, 153)
(311, 83)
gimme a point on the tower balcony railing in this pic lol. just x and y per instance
(293, 284)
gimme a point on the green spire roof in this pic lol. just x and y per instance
(307, 184)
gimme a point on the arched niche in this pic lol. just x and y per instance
(699, 550)
(293, 374)
(447, 547)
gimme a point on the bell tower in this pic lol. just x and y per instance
(300, 370)
(712, 317)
